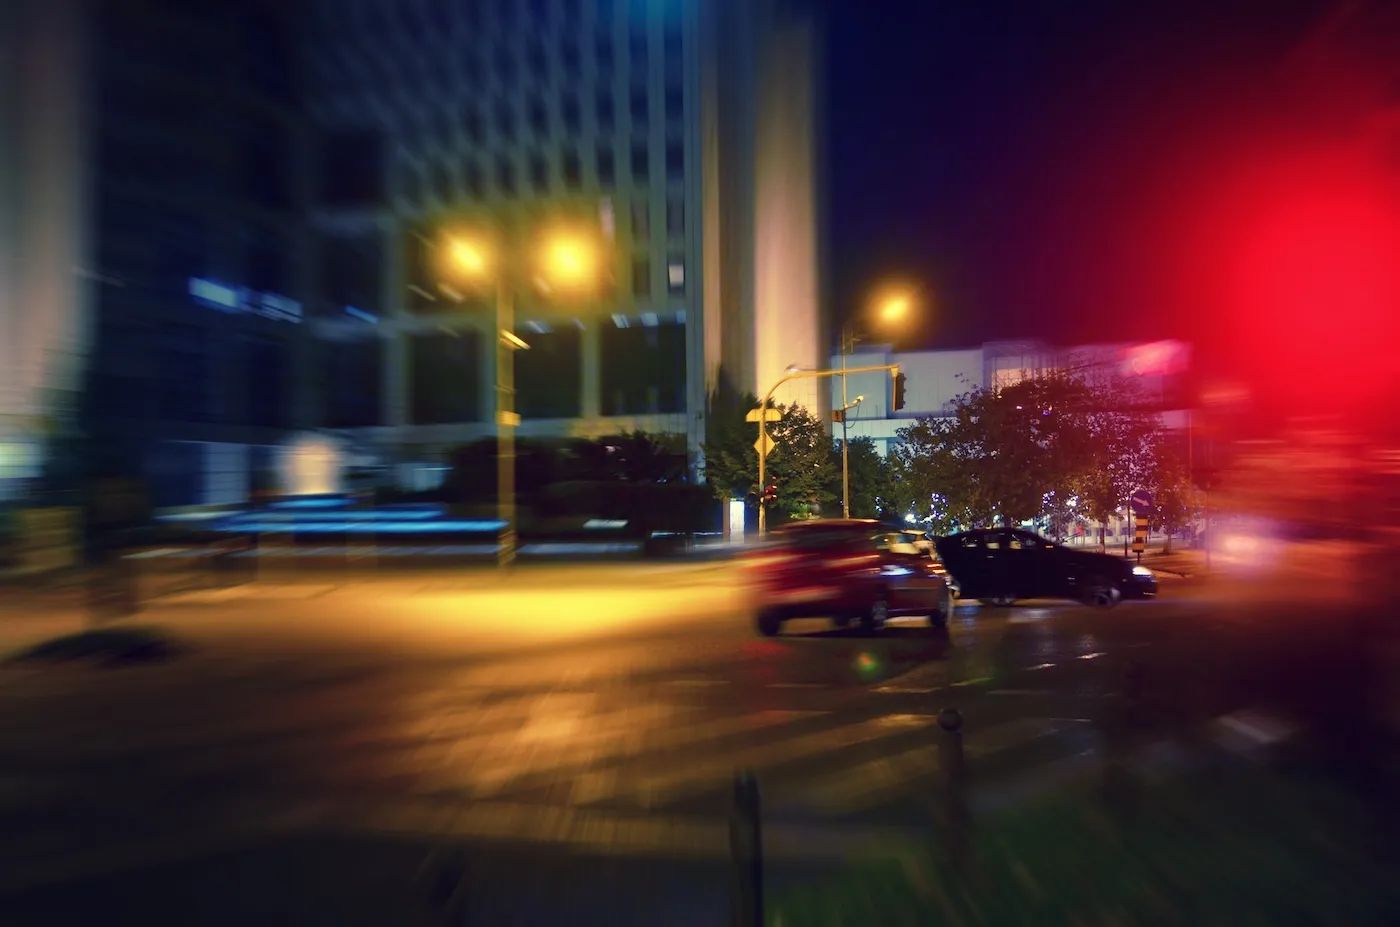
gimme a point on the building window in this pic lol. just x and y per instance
(675, 102)
(539, 173)
(640, 163)
(603, 53)
(569, 56)
(641, 277)
(474, 180)
(539, 117)
(569, 110)
(471, 123)
(639, 108)
(505, 65)
(607, 167)
(442, 181)
(675, 159)
(352, 168)
(675, 215)
(641, 220)
(354, 378)
(445, 378)
(637, 47)
(505, 121)
(671, 40)
(573, 169)
(268, 270)
(607, 115)
(549, 376)
(675, 275)
(535, 59)
(505, 176)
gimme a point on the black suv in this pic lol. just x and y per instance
(1000, 565)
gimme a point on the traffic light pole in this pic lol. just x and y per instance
(768, 400)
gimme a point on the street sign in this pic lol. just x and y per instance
(1140, 532)
(1141, 501)
(764, 444)
(769, 415)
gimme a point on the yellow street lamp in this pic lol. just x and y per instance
(468, 257)
(892, 307)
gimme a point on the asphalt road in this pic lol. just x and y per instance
(565, 718)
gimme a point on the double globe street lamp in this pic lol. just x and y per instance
(564, 263)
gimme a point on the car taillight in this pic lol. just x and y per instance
(767, 561)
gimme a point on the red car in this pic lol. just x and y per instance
(851, 570)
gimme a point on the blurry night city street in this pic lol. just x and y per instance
(699, 462)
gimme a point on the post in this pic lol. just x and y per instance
(746, 847)
(953, 771)
(505, 423)
(845, 437)
(767, 399)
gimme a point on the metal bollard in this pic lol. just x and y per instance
(953, 771)
(746, 847)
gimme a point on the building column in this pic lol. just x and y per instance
(592, 370)
(395, 383)
(486, 337)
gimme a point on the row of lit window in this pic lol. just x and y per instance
(471, 118)
(447, 66)
(505, 179)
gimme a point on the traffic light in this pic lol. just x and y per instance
(898, 403)
(770, 495)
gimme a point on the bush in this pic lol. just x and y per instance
(646, 507)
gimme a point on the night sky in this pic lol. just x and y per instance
(1028, 161)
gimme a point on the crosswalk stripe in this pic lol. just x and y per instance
(650, 791)
(865, 785)
(590, 779)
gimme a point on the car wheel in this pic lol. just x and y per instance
(1101, 593)
(941, 617)
(769, 622)
(841, 620)
(877, 615)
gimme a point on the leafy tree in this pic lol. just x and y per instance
(799, 463)
(1173, 496)
(869, 477)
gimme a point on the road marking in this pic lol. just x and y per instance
(696, 683)
(906, 690)
(1036, 692)
(975, 681)
(866, 785)
(797, 685)
(706, 773)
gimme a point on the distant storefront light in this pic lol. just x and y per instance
(241, 299)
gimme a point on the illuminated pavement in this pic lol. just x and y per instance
(573, 714)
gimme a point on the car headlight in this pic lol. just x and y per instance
(1142, 571)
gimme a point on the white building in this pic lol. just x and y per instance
(936, 378)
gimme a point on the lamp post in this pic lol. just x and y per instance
(795, 373)
(891, 308)
(846, 446)
(567, 262)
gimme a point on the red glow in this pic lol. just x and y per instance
(1306, 258)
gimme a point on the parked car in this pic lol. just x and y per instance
(850, 570)
(1000, 565)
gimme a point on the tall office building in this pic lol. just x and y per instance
(683, 131)
(44, 325)
(197, 174)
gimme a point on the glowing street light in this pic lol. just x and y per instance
(468, 257)
(890, 308)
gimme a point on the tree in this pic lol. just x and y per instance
(1173, 495)
(868, 479)
(799, 464)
